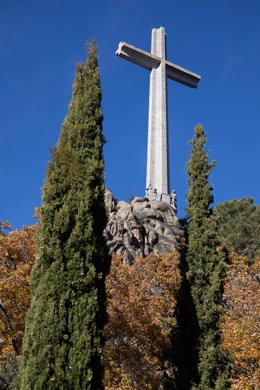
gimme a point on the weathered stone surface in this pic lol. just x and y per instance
(141, 227)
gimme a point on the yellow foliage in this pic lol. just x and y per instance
(16, 260)
(141, 305)
(141, 302)
(240, 322)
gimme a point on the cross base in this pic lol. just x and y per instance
(153, 195)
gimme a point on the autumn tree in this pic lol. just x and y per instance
(239, 226)
(63, 341)
(141, 307)
(16, 260)
(240, 322)
(206, 263)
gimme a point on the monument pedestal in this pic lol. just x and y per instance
(155, 196)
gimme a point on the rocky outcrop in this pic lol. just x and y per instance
(138, 228)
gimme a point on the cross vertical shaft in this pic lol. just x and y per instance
(157, 170)
(157, 173)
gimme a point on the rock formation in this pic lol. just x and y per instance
(138, 228)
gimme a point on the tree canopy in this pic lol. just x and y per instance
(239, 226)
(141, 306)
(206, 266)
(240, 322)
(16, 260)
(62, 347)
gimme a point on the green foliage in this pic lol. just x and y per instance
(239, 226)
(63, 336)
(8, 371)
(206, 264)
(199, 196)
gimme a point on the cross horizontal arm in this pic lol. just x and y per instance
(137, 56)
(181, 75)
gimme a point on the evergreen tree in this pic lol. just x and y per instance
(63, 336)
(206, 263)
(239, 226)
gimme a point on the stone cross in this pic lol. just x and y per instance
(157, 174)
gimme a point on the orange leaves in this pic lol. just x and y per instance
(3, 226)
(16, 260)
(241, 321)
(141, 304)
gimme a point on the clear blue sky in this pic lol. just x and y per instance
(40, 43)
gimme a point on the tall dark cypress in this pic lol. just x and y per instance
(62, 347)
(206, 262)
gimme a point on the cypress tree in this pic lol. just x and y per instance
(206, 263)
(63, 336)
